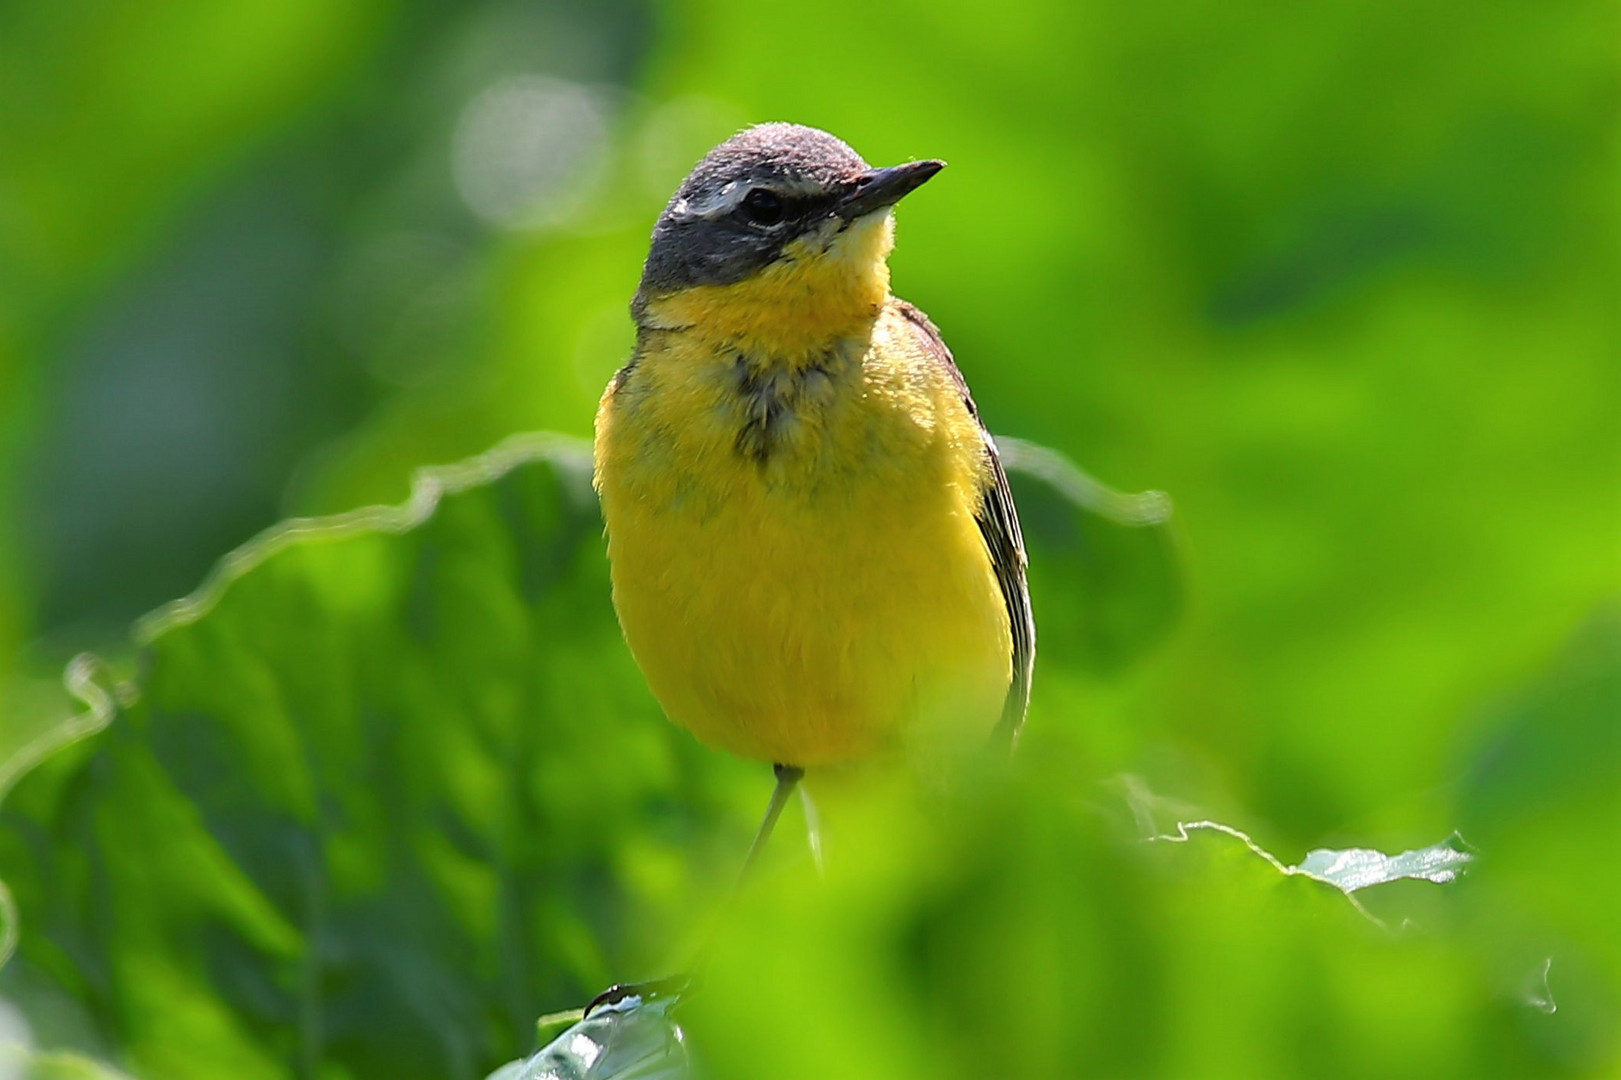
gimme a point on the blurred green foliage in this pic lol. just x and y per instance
(1340, 278)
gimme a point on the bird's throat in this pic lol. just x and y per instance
(825, 289)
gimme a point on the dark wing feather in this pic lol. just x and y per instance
(999, 525)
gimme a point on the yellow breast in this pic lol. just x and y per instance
(795, 559)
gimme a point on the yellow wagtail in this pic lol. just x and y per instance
(815, 555)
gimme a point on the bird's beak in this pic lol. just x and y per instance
(878, 188)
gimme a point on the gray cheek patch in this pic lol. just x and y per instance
(695, 250)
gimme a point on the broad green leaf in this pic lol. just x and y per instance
(383, 788)
(390, 787)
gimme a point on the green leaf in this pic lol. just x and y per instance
(390, 787)
(385, 786)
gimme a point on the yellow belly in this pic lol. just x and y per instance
(837, 605)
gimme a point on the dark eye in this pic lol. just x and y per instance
(762, 207)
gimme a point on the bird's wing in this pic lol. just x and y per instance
(999, 524)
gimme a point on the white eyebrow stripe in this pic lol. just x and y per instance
(716, 203)
(722, 202)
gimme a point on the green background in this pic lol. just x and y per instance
(1340, 278)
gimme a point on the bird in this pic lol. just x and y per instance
(814, 553)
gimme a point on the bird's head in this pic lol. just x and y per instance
(780, 232)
